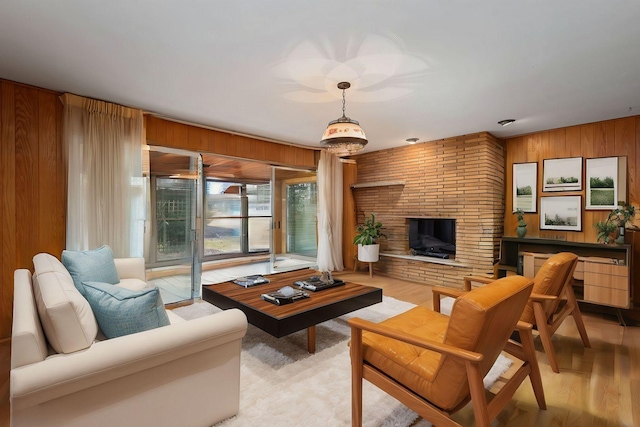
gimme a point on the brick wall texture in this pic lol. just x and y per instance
(462, 178)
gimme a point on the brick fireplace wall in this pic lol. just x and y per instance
(461, 177)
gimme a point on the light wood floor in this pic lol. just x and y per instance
(597, 386)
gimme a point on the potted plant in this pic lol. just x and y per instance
(522, 225)
(605, 231)
(623, 214)
(616, 220)
(366, 239)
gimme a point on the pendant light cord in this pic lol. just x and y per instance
(343, 103)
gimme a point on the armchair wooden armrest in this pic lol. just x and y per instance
(359, 325)
(543, 297)
(483, 280)
(449, 292)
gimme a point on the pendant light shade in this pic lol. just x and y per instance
(343, 136)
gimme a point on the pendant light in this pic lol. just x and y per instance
(343, 136)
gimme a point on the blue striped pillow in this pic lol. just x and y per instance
(121, 311)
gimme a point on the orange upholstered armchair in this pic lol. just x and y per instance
(435, 364)
(551, 301)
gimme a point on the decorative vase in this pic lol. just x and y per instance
(369, 253)
(521, 230)
(620, 239)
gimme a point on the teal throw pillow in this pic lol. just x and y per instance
(121, 311)
(95, 265)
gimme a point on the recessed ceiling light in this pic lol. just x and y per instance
(412, 140)
(506, 122)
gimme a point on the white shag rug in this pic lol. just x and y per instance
(281, 384)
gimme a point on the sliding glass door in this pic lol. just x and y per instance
(301, 219)
(295, 237)
(172, 257)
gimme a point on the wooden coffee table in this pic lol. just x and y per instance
(282, 320)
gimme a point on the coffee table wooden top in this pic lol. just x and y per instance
(281, 320)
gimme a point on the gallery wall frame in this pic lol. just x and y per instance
(562, 174)
(606, 182)
(561, 213)
(525, 186)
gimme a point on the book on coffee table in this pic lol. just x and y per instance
(248, 281)
(280, 298)
(315, 284)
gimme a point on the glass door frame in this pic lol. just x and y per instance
(278, 213)
(195, 220)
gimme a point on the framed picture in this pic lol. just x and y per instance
(561, 213)
(562, 174)
(525, 180)
(602, 183)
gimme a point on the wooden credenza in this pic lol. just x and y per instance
(602, 276)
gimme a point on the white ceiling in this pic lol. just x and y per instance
(426, 69)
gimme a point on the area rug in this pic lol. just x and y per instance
(281, 384)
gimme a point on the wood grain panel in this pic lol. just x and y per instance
(7, 207)
(165, 133)
(49, 185)
(349, 177)
(586, 143)
(572, 141)
(32, 183)
(27, 171)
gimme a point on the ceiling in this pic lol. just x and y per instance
(423, 69)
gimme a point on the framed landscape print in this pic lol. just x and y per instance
(561, 213)
(602, 183)
(525, 179)
(562, 174)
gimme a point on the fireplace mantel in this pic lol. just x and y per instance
(433, 260)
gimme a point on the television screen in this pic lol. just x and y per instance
(432, 235)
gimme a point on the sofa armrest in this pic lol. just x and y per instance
(108, 360)
(131, 268)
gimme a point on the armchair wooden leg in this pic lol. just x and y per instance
(577, 316)
(478, 398)
(356, 377)
(545, 335)
(529, 354)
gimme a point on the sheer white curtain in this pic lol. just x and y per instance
(329, 213)
(106, 198)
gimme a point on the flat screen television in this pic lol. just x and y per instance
(432, 235)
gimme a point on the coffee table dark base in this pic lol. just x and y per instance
(280, 321)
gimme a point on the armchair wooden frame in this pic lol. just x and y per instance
(484, 411)
(560, 306)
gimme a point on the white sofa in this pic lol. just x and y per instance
(184, 374)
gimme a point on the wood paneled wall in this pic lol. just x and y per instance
(166, 133)
(619, 137)
(461, 178)
(32, 197)
(32, 183)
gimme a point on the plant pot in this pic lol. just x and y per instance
(620, 239)
(369, 253)
(521, 230)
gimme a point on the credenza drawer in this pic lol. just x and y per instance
(606, 281)
(606, 296)
(606, 268)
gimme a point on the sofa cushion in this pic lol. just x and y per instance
(121, 311)
(65, 315)
(95, 265)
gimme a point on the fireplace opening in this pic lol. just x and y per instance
(434, 237)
